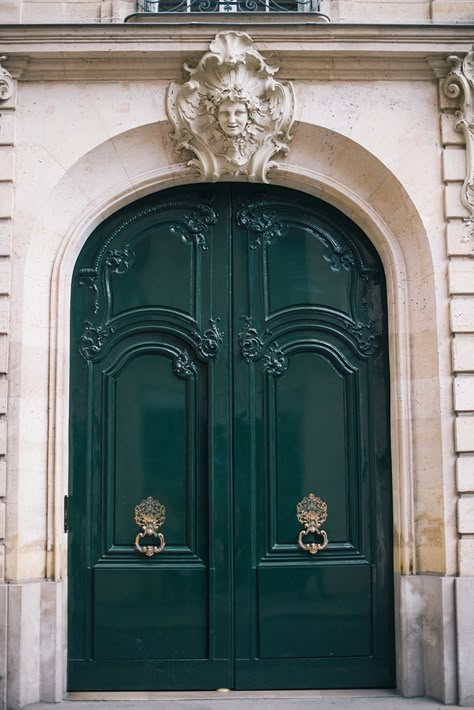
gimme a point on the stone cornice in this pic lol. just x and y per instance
(156, 51)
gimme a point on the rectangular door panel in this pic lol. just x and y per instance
(308, 444)
(314, 610)
(155, 613)
(149, 675)
(158, 441)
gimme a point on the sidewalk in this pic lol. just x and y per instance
(234, 700)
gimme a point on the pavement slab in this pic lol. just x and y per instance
(235, 700)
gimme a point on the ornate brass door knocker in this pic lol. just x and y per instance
(150, 516)
(312, 513)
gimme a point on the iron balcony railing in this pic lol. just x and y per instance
(168, 6)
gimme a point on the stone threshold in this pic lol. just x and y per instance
(235, 694)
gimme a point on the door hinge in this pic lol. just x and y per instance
(66, 514)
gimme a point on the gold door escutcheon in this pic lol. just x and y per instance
(312, 512)
(150, 516)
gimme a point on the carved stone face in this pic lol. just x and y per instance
(232, 117)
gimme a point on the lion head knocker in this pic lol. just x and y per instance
(312, 512)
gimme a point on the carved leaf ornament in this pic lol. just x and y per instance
(231, 113)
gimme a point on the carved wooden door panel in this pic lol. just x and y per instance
(311, 401)
(228, 358)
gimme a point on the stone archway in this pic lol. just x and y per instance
(342, 173)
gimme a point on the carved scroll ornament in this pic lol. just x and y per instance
(6, 82)
(460, 84)
(231, 113)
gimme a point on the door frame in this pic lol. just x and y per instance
(400, 252)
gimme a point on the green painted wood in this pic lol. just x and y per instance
(229, 357)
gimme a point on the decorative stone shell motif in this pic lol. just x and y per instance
(231, 113)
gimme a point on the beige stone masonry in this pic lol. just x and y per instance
(466, 557)
(466, 514)
(3, 636)
(464, 393)
(121, 149)
(7, 167)
(10, 11)
(458, 242)
(462, 314)
(465, 474)
(464, 430)
(6, 200)
(463, 352)
(453, 206)
(452, 10)
(389, 11)
(449, 135)
(454, 164)
(461, 276)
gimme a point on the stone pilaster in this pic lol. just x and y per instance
(457, 129)
(7, 135)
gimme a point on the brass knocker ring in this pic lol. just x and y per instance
(150, 515)
(312, 512)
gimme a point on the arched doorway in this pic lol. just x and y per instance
(229, 358)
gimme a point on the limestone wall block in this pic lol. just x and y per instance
(4, 315)
(465, 474)
(452, 11)
(462, 314)
(5, 274)
(449, 135)
(3, 478)
(3, 397)
(7, 126)
(454, 164)
(466, 557)
(6, 199)
(463, 352)
(466, 514)
(452, 200)
(3, 436)
(464, 393)
(460, 239)
(3, 642)
(6, 162)
(3, 354)
(465, 630)
(461, 276)
(464, 433)
(5, 237)
(10, 11)
(60, 12)
(24, 633)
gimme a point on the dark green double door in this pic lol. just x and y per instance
(229, 357)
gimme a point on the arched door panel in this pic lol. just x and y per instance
(229, 358)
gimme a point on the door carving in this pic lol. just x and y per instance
(228, 358)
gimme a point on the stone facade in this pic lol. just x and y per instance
(84, 130)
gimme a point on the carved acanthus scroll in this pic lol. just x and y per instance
(231, 113)
(460, 84)
(6, 82)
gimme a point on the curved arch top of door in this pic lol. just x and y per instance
(229, 358)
